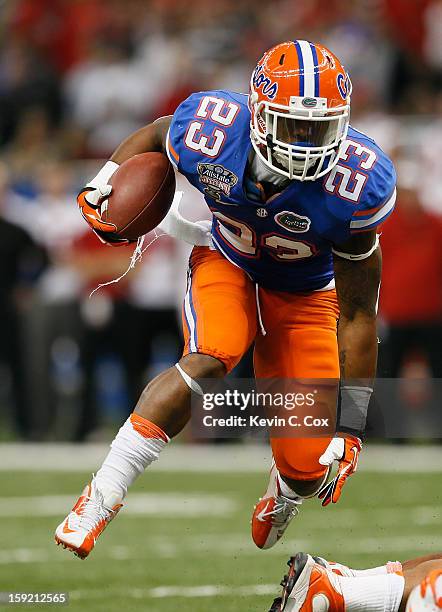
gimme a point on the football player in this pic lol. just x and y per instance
(313, 583)
(296, 196)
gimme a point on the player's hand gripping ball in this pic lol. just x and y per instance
(91, 201)
(134, 201)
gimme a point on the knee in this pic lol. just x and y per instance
(304, 488)
(198, 365)
(297, 461)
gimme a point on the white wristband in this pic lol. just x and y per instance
(360, 256)
(104, 175)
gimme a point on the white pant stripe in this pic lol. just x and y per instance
(189, 317)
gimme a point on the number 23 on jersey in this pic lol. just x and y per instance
(219, 111)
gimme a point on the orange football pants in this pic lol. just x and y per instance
(220, 319)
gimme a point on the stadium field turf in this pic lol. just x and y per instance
(182, 542)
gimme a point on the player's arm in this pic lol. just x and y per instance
(93, 197)
(357, 278)
(151, 137)
(357, 266)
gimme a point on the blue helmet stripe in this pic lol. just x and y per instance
(301, 68)
(315, 61)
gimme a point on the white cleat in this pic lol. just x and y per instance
(272, 514)
(86, 521)
(338, 568)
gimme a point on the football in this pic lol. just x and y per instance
(142, 192)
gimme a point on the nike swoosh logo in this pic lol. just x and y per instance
(66, 527)
(260, 517)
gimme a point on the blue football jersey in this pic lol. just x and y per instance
(284, 244)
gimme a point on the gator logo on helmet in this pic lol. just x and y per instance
(260, 81)
(344, 85)
(328, 58)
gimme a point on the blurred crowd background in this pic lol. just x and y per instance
(76, 77)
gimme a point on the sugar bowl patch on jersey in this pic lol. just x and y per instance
(283, 242)
(218, 180)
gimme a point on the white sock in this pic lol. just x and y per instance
(380, 593)
(389, 568)
(137, 445)
(371, 571)
(286, 490)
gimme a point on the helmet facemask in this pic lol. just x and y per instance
(300, 140)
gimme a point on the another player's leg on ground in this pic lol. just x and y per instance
(340, 588)
(222, 299)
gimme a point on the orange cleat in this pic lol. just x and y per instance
(86, 522)
(272, 514)
(310, 587)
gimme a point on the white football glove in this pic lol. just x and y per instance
(92, 201)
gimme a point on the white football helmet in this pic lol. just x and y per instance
(427, 596)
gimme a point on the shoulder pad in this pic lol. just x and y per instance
(187, 112)
(365, 179)
(180, 118)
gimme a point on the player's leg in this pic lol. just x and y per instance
(300, 343)
(412, 563)
(383, 583)
(311, 585)
(390, 567)
(381, 589)
(219, 299)
(344, 570)
(304, 347)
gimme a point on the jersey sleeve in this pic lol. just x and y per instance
(176, 134)
(378, 197)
